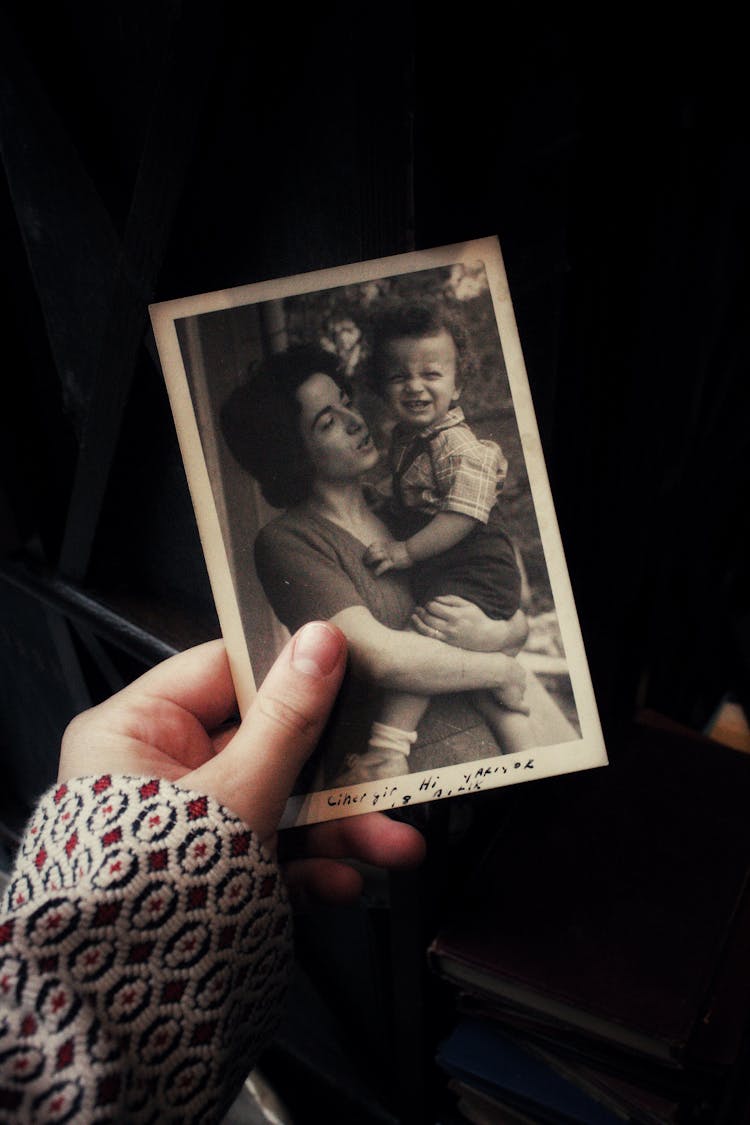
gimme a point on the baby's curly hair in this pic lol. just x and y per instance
(412, 318)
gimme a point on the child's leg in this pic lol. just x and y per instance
(545, 725)
(484, 574)
(402, 713)
(512, 729)
(391, 738)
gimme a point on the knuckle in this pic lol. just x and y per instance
(76, 724)
(80, 724)
(283, 713)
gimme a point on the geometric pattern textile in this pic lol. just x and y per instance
(144, 956)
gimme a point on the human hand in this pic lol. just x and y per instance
(387, 554)
(458, 622)
(512, 693)
(172, 723)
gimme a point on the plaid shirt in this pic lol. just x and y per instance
(445, 468)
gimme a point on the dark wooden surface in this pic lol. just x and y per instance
(154, 151)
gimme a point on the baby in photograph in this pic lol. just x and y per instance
(448, 528)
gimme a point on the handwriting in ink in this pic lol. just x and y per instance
(431, 786)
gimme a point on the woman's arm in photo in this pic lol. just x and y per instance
(408, 662)
(302, 573)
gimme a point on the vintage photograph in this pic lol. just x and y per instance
(361, 447)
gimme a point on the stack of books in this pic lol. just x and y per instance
(600, 961)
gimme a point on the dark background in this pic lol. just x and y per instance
(156, 151)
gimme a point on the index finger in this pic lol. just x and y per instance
(454, 600)
(198, 680)
(372, 837)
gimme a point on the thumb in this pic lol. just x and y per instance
(254, 773)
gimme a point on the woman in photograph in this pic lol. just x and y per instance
(294, 428)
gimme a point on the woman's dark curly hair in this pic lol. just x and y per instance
(412, 318)
(260, 422)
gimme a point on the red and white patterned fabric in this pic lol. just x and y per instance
(144, 955)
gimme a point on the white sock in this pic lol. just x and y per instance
(383, 737)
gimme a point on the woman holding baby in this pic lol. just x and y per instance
(295, 429)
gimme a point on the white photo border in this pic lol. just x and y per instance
(587, 752)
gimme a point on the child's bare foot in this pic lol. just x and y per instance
(511, 694)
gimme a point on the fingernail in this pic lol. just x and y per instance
(317, 649)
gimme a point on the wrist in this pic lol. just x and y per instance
(402, 560)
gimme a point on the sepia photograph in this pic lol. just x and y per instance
(361, 447)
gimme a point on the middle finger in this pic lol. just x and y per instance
(429, 620)
(372, 838)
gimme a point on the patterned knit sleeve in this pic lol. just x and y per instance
(144, 953)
